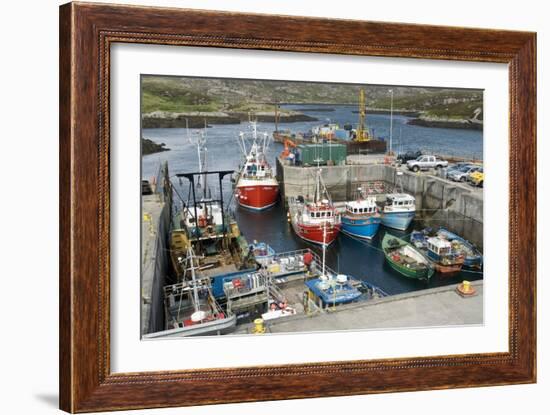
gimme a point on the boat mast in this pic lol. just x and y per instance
(276, 117)
(194, 279)
(254, 149)
(318, 187)
(324, 245)
(200, 143)
(203, 167)
(391, 123)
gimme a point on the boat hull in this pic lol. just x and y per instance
(447, 269)
(473, 262)
(257, 197)
(398, 220)
(216, 327)
(316, 233)
(424, 273)
(365, 228)
(407, 272)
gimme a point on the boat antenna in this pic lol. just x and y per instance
(397, 181)
(318, 187)
(242, 143)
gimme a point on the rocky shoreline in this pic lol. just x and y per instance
(407, 113)
(150, 147)
(464, 124)
(161, 119)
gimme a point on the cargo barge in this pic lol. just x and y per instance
(356, 140)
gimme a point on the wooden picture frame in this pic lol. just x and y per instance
(86, 33)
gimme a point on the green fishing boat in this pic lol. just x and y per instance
(406, 259)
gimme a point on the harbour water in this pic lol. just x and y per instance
(363, 260)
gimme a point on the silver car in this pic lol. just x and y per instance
(461, 174)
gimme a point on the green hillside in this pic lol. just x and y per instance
(185, 94)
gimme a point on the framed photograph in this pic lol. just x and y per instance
(260, 207)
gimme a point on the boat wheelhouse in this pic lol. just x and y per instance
(398, 211)
(446, 260)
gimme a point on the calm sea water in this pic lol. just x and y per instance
(361, 259)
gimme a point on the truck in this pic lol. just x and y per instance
(409, 155)
(426, 162)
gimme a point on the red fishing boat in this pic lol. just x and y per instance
(256, 186)
(317, 220)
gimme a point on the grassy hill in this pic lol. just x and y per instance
(186, 94)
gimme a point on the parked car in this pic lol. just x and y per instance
(409, 155)
(462, 174)
(476, 178)
(426, 162)
(456, 166)
(146, 188)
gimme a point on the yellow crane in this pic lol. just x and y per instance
(362, 133)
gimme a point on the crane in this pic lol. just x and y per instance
(362, 134)
(288, 143)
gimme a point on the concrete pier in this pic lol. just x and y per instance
(441, 306)
(457, 206)
(155, 227)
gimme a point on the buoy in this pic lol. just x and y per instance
(258, 326)
(465, 289)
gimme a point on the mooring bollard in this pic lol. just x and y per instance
(259, 327)
(465, 289)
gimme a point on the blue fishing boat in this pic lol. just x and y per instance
(398, 211)
(263, 253)
(473, 259)
(334, 289)
(360, 218)
(331, 288)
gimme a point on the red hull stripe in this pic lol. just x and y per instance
(257, 197)
(315, 233)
